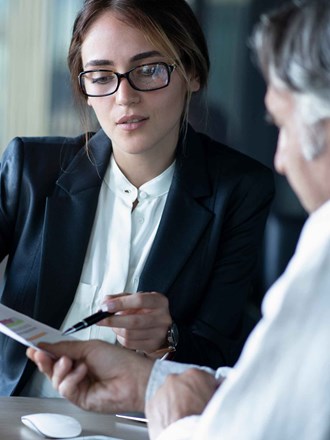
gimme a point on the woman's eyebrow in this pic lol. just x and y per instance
(144, 55)
(98, 63)
(137, 57)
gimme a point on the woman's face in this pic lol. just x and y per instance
(138, 123)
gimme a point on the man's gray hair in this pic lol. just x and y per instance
(292, 46)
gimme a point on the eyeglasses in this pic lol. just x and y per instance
(145, 78)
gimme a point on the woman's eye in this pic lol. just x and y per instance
(147, 70)
(104, 79)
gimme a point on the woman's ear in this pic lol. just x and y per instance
(194, 84)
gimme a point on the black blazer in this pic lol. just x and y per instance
(203, 258)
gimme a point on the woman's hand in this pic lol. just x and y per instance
(181, 395)
(141, 320)
(95, 375)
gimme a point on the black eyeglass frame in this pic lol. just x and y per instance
(170, 68)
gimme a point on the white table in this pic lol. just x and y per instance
(12, 408)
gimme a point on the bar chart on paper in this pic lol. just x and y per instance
(26, 330)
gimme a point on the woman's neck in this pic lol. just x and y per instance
(139, 170)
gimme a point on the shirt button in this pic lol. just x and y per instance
(143, 195)
(141, 220)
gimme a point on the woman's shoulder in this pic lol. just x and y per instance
(227, 167)
(222, 158)
(219, 151)
(43, 149)
(42, 143)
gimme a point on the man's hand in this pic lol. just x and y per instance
(180, 396)
(141, 319)
(95, 375)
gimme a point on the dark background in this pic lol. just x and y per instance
(236, 116)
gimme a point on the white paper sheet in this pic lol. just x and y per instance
(26, 330)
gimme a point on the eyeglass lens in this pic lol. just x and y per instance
(144, 78)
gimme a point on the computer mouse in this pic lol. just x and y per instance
(52, 425)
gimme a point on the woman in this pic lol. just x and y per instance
(159, 224)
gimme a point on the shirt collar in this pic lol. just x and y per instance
(122, 187)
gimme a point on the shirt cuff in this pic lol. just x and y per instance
(222, 373)
(183, 429)
(162, 369)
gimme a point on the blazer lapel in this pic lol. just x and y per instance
(70, 215)
(68, 221)
(184, 219)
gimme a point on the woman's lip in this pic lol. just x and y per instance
(131, 120)
(132, 124)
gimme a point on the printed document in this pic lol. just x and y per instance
(26, 330)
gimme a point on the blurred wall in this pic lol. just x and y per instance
(34, 38)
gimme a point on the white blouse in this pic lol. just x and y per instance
(120, 242)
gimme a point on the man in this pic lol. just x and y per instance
(279, 388)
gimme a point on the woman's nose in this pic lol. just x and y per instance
(126, 95)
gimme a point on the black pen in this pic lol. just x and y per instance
(87, 322)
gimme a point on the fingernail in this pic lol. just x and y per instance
(108, 307)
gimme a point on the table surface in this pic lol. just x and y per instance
(12, 408)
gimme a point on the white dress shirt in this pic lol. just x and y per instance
(119, 245)
(280, 387)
